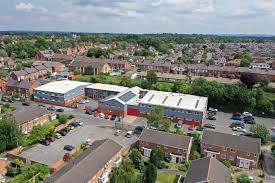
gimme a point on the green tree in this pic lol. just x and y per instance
(179, 131)
(77, 73)
(156, 157)
(151, 77)
(244, 178)
(273, 148)
(89, 70)
(151, 174)
(126, 82)
(260, 131)
(227, 163)
(265, 105)
(10, 135)
(125, 173)
(195, 155)
(137, 158)
(155, 116)
(249, 79)
(165, 125)
(62, 118)
(27, 64)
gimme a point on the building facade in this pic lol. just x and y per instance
(62, 93)
(243, 152)
(175, 147)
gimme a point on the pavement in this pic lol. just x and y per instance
(93, 128)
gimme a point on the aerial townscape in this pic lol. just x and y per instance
(96, 91)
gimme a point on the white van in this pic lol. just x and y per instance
(129, 134)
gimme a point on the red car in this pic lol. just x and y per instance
(96, 114)
(191, 128)
(51, 139)
(107, 116)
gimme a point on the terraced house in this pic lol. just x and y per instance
(175, 147)
(242, 151)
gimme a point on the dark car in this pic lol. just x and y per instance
(200, 128)
(208, 125)
(113, 117)
(46, 142)
(62, 132)
(41, 105)
(60, 110)
(236, 124)
(68, 147)
(51, 108)
(139, 129)
(211, 117)
(236, 117)
(250, 121)
(26, 103)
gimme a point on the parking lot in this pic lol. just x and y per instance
(93, 128)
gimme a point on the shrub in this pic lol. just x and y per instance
(70, 116)
(182, 168)
(62, 119)
(227, 163)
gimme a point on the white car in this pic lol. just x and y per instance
(238, 129)
(86, 101)
(246, 114)
(80, 123)
(89, 142)
(117, 133)
(273, 128)
(101, 115)
(129, 134)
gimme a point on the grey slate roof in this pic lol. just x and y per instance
(166, 139)
(29, 114)
(87, 164)
(242, 143)
(20, 73)
(207, 170)
(12, 83)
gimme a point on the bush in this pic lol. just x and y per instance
(227, 163)
(182, 168)
(71, 116)
(62, 118)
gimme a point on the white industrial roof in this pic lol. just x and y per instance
(61, 86)
(107, 87)
(175, 100)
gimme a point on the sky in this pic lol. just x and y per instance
(140, 16)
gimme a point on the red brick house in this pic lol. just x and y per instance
(97, 67)
(243, 152)
(175, 147)
(44, 55)
(3, 83)
(23, 88)
(31, 117)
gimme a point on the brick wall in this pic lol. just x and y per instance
(38, 121)
(3, 166)
(228, 154)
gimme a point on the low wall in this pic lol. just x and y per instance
(13, 154)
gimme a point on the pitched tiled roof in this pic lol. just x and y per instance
(86, 165)
(29, 114)
(242, 143)
(164, 138)
(207, 170)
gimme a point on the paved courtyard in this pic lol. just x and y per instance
(93, 128)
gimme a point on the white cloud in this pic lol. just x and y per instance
(24, 6)
(27, 7)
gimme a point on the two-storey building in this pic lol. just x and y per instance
(242, 151)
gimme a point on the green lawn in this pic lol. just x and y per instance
(167, 178)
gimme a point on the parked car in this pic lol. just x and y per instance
(71, 127)
(89, 142)
(212, 109)
(51, 108)
(86, 101)
(178, 125)
(273, 128)
(113, 117)
(26, 103)
(78, 123)
(129, 134)
(200, 128)
(82, 101)
(101, 115)
(60, 110)
(139, 129)
(245, 113)
(235, 124)
(117, 133)
(106, 117)
(209, 125)
(237, 114)
(63, 133)
(50, 138)
(96, 114)
(41, 105)
(46, 142)
(236, 117)
(58, 136)
(211, 117)
(191, 128)
(238, 129)
(68, 147)
(249, 120)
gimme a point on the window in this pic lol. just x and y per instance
(248, 154)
